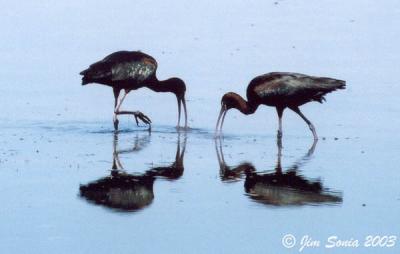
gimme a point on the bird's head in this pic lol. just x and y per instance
(178, 87)
(232, 100)
(229, 101)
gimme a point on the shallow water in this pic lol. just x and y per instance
(43, 170)
(186, 192)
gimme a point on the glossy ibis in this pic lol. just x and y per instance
(279, 188)
(281, 90)
(131, 70)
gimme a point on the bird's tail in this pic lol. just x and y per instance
(333, 84)
(85, 79)
(340, 84)
(327, 85)
(97, 71)
(83, 73)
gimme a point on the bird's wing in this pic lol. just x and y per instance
(122, 66)
(133, 70)
(295, 84)
(102, 69)
(131, 65)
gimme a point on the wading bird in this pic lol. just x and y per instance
(281, 90)
(131, 70)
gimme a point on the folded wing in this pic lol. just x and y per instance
(131, 66)
(295, 86)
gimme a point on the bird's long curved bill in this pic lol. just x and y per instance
(185, 112)
(183, 102)
(221, 119)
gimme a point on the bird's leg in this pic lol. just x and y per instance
(279, 110)
(138, 115)
(115, 119)
(120, 101)
(310, 125)
(116, 109)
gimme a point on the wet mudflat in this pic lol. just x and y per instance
(69, 184)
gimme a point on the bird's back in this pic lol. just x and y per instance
(121, 67)
(291, 88)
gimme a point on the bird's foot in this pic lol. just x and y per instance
(142, 117)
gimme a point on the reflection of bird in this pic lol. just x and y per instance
(278, 188)
(129, 192)
(130, 70)
(175, 170)
(227, 173)
(121, 191)
(281, 90)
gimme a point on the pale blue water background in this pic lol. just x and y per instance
(215, 47)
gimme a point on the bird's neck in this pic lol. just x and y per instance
(159, 85)
(245, 107)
